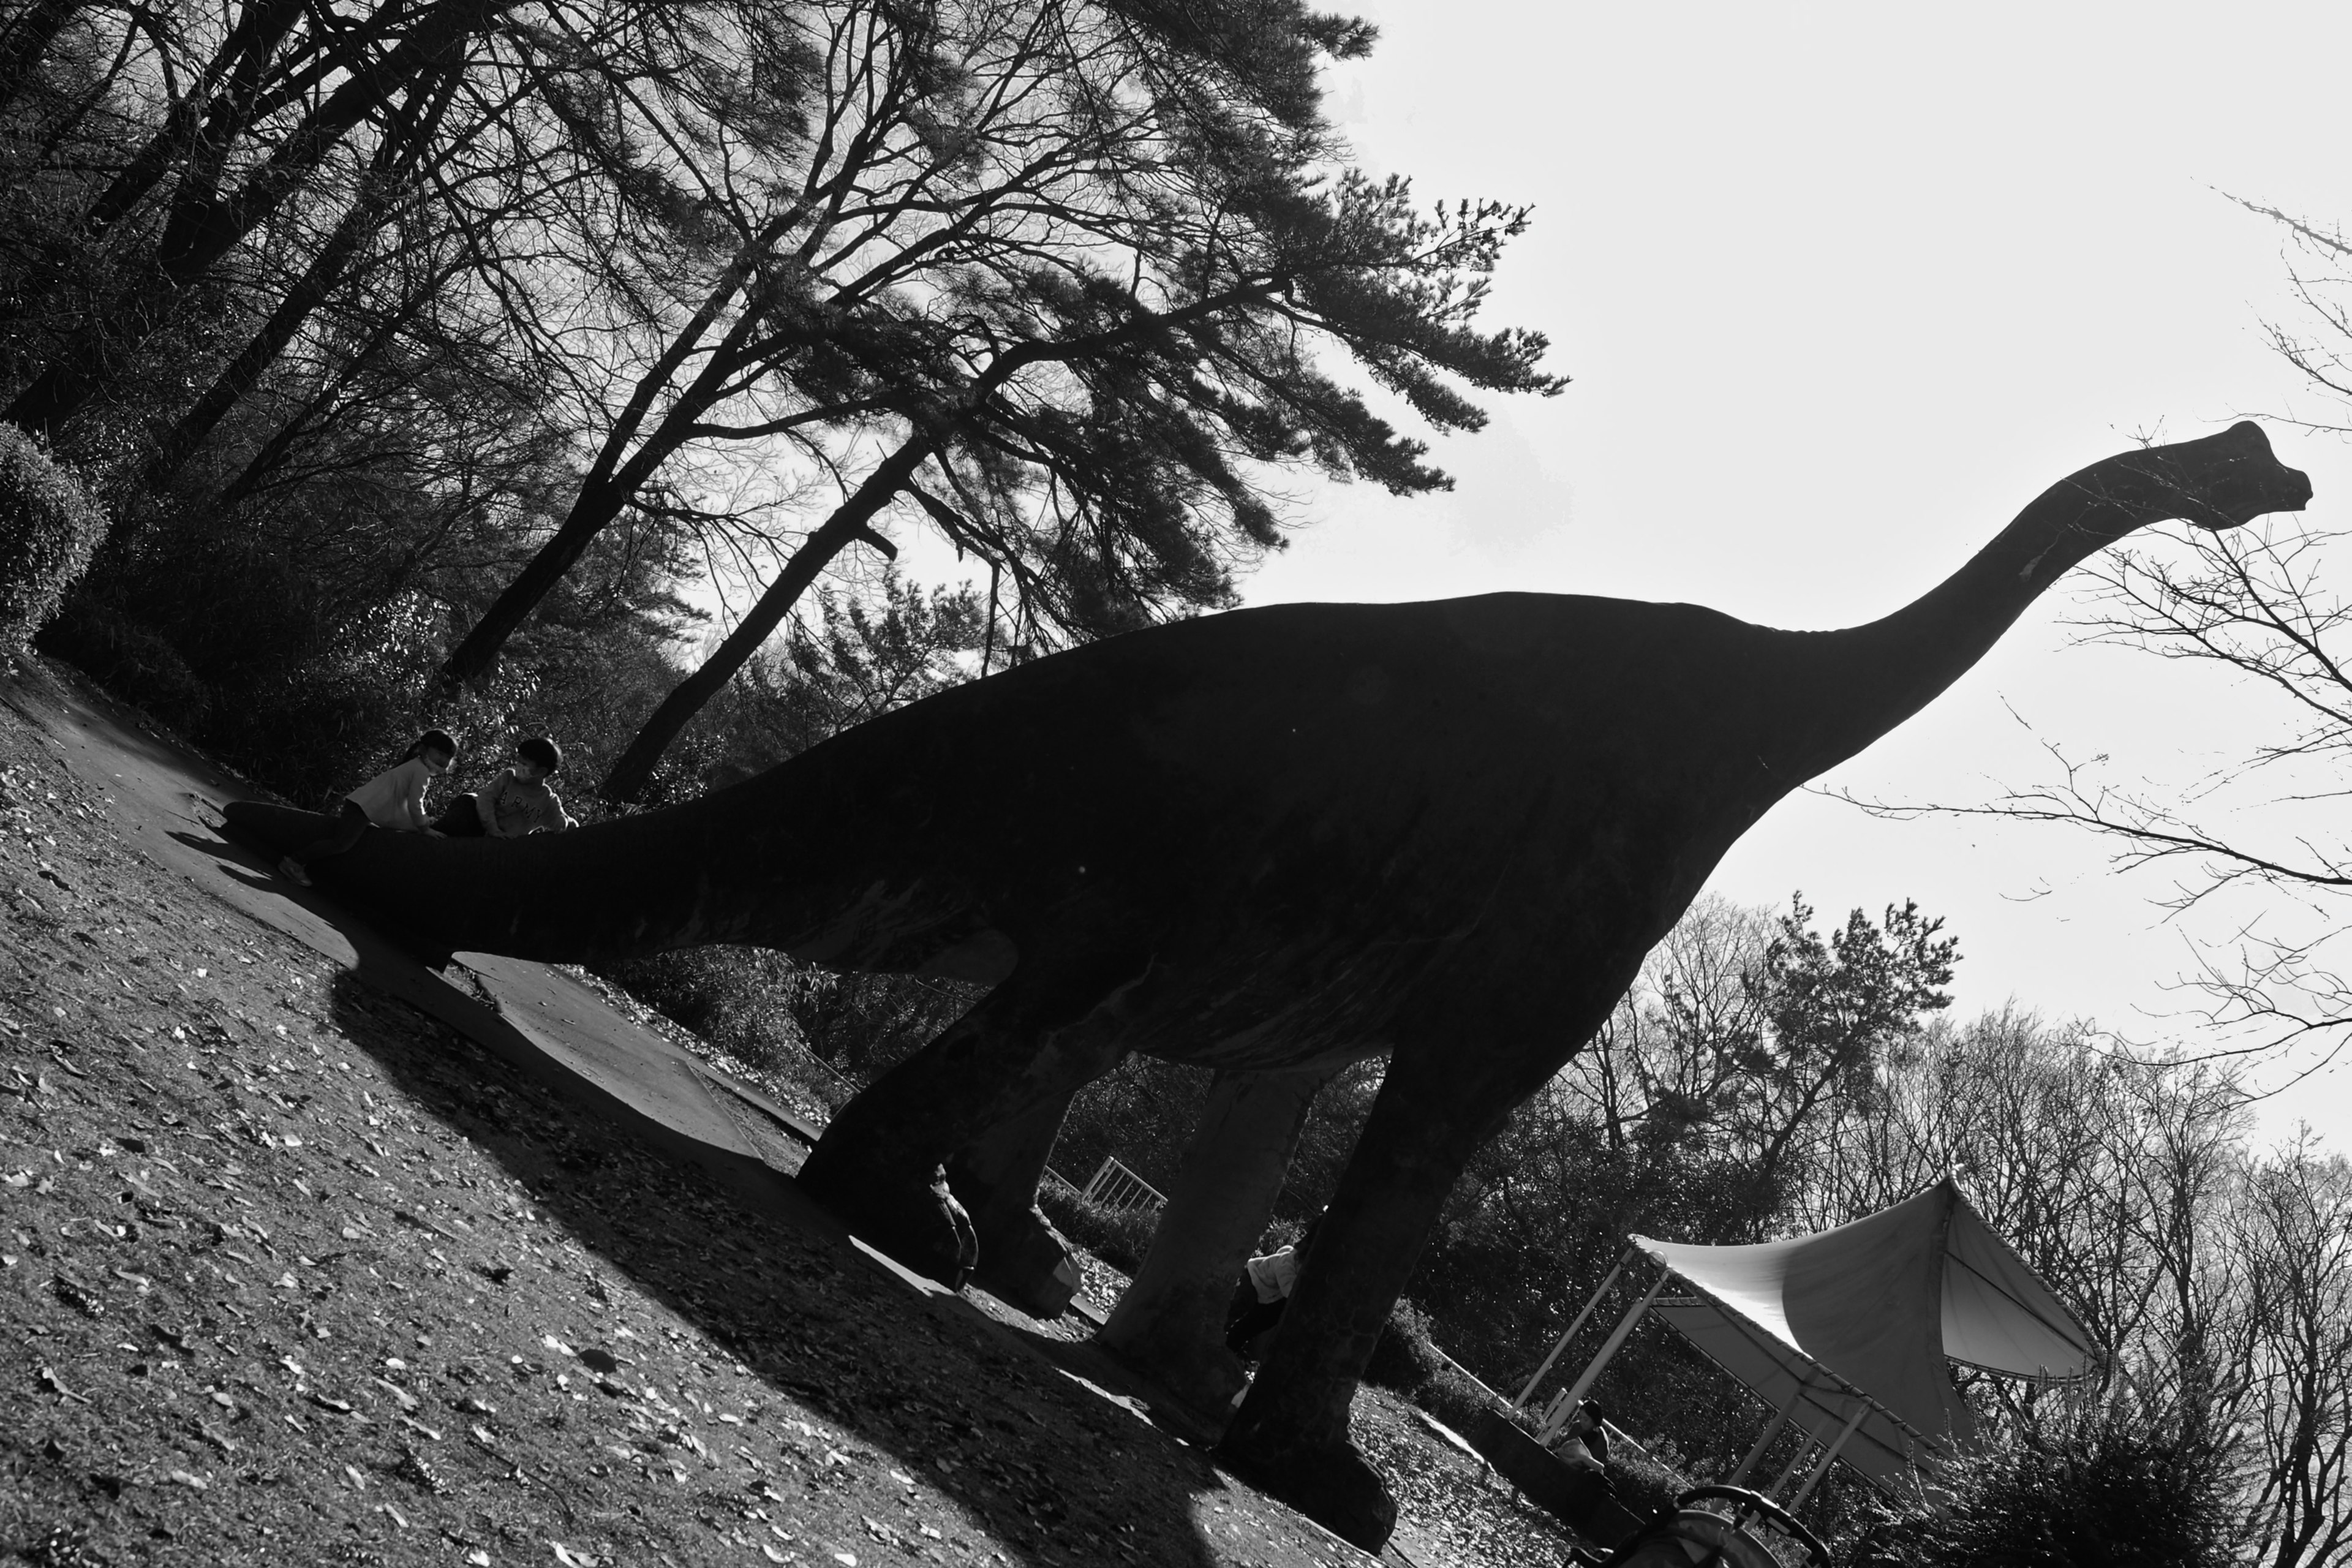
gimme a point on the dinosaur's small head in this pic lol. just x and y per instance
(2221, 481)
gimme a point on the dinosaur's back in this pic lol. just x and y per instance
(1296, 812)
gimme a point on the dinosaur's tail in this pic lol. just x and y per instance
(608, 891)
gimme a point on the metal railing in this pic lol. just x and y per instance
(1114, 1186)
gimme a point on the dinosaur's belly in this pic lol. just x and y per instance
(1520, 923)
(1278, 1006)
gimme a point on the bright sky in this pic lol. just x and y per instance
(1841, 287)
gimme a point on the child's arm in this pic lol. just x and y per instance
(486, 801)
(412, 801)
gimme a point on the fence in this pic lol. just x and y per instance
(1114, 1186)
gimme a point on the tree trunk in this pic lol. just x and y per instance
(388, 327)
(844, 527)
(1170, 1323)
(241, 374)
(26, 44)
(200, 233)
(197, 238)
(199, 111)
(599, 504)
(402, 143)
(600, 501)
(232, 113)
(259, 27)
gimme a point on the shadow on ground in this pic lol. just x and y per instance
(682, 1352)
(1055, 1471)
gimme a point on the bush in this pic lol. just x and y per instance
(2113, 1496)
(867, 1024)
(1404, 1359)
(1118, 1237)
(739, 1000)
(48, 528)
(1458, 1400)
(734, 997)
(1641, 1483)
(1408, 1362)
(129, 659)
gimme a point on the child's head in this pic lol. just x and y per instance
(537, 758)
(435, 749)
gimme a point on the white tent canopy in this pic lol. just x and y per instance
(1848, 1332)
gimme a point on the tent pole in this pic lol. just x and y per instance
(1529, 1392)
(1609, 1347)
(1859, 1410)
(1770, 1432)
(1796, 1462)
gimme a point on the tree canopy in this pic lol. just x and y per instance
(1070, 283)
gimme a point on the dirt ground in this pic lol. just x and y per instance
(292, 1273)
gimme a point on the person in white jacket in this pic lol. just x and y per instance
(1266, 1288)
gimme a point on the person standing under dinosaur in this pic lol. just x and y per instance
(1263, 1292)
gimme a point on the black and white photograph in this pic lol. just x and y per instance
(1065, 784)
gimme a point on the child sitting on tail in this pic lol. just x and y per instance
(515, 804)
(395, 798)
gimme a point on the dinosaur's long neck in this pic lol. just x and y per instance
(1862, 681)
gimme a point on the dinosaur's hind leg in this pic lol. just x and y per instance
(1290, 1434)
(1035, 1040)
(1170, 1323)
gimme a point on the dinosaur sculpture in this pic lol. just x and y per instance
(1273, 840)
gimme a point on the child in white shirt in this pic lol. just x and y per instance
(395, 798)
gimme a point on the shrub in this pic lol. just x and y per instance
(733, 997)
(1458, 1400)
(48, 528)
(834, 1033)
(1404, 1358)
(2106, 1497)
(128, 659)
(739, 1000)
(1280, 1233)
(1408, 1362)
(1118, 1237)
(1641, 1483)
(867, 1024)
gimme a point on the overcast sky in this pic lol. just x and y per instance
(1841, 287)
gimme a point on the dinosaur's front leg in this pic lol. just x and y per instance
(1290, 1435)
(1022, 1258)
(1028, 1046)
(1170, 1323)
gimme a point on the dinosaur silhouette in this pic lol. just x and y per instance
(1270, 841)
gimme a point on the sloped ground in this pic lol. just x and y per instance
(1450, 1505)
(290, 1273)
